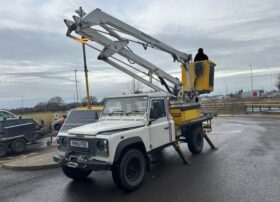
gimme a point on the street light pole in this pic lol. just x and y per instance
(22, 105)
(76, 85)
(86, 75)
(252, 87)
(271, 81)
(81, 13)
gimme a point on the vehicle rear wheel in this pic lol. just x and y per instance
(77, 174)
(129, 173)
(3, 150)
(195, 140)
(18, 145)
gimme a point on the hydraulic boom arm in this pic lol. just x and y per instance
(85, 25)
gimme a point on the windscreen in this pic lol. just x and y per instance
(4, 114)
(126, 106)
(78, 118)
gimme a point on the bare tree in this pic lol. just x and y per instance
(92, 100)
(56, 101)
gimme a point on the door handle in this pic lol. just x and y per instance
(166, 128)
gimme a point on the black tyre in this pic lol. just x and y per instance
(195, 140)
(3, 150)
(116, 175)
(18, 145)
(77, 174)
(128, 173)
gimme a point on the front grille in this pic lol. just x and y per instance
(90, 151)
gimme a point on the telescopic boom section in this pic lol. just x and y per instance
(84, 26)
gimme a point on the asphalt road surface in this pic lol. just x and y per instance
(32, 149)
(246, 167)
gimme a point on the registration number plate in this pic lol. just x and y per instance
(79, 143)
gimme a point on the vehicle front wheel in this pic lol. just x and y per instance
(128, 173)
(195, 140)
(18, 145)
(3, 150)
(76, 174)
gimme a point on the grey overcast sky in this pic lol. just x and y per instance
(37, 60)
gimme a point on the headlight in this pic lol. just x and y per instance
(102, 147)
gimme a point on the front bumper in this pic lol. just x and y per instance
(80, 162)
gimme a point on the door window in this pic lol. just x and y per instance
(158, 109)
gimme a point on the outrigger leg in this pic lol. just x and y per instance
(179, 151)
(209, 141)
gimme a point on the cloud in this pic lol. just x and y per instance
(37, 60)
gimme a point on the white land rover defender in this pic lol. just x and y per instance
(132, 127)
(129, 129)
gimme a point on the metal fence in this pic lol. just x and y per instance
(262, 108)
(241, 106)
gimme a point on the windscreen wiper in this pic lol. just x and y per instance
(136, 111)
(116, 111)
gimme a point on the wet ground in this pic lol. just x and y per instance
(32, 149)
(246, 167)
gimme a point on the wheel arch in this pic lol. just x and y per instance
(131, 143)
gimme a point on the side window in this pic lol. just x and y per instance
(9, 115)
(4, 114)
(158, 109)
